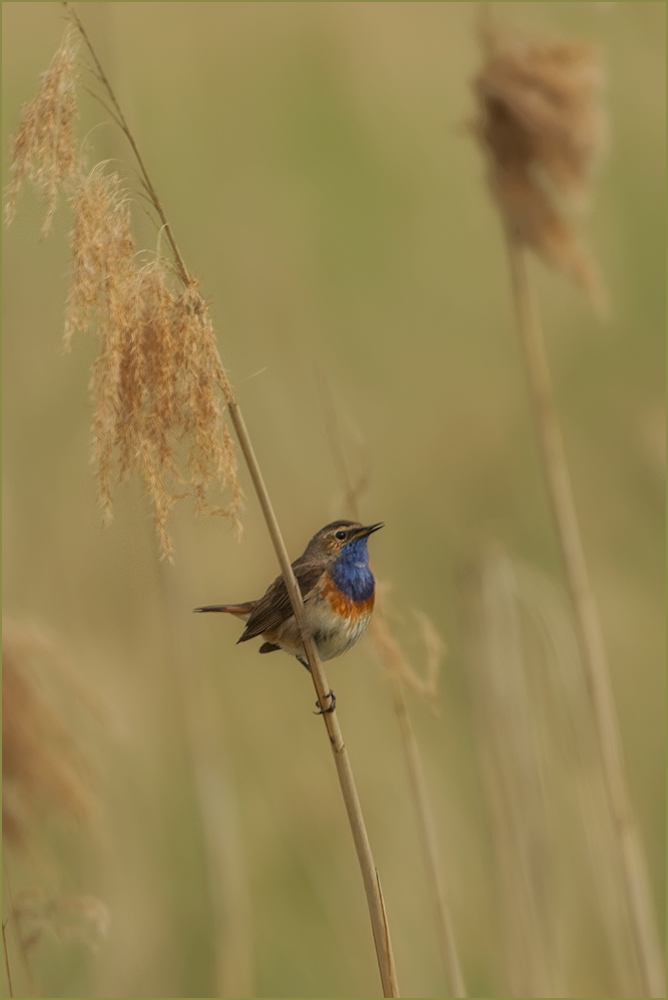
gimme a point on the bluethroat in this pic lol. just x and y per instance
(338, 591)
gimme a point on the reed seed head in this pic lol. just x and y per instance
(158, 377)
(542, 125)
(158, 380)
(43, 149)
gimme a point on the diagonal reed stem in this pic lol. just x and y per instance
(379, 925)
(381, 932)
(629, 843)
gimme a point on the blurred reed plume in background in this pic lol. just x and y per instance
(47, 784)
(158, 378)
(543, 127)
(543, 124)
(42, 766)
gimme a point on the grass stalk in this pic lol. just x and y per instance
(631, 853)
(6, 954)
(509, 732)
(390, 652)
(20, 943)
(370, 877)
(393, 658)
(221, 842)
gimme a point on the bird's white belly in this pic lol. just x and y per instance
(333, 633)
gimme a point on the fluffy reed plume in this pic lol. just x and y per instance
(544, 130)
(171, 336)
(158, 376)
(43, 149)
(43, 769)
(394, 658)
(158, 379)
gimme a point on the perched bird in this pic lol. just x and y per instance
(338, 591)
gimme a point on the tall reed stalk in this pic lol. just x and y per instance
(39, 154)
(543, 130)
(372, 887)
(629, 843)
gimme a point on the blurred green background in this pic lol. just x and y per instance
(314, 162)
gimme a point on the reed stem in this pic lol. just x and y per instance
(631, 853)
(381, 933)
(125, 128)
(380, 928)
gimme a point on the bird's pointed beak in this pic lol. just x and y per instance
(369, 529)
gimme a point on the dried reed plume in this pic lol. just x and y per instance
(42, 767)
(43, 149)
(158, 370)
(544, 129)
(158, 378)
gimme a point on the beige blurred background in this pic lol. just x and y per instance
(315, 166)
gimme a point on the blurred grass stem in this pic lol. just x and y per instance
(370, 877)
(392, 657)
(20, 943)
(6, 954)
(427, 836)
(633, 865)
(222, 844)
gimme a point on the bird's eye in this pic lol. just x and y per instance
(340, 535)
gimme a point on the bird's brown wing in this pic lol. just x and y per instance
(274, 607)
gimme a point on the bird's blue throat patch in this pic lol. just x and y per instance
(351, 572)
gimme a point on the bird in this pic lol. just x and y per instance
(338, 590)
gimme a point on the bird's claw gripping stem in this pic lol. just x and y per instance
(330, 708)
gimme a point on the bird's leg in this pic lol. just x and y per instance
(332, 696)
(330, 708)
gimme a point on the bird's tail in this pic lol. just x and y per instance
(240, 610)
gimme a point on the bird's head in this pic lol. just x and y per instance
(334, 539)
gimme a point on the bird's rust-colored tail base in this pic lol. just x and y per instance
(240, 610)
